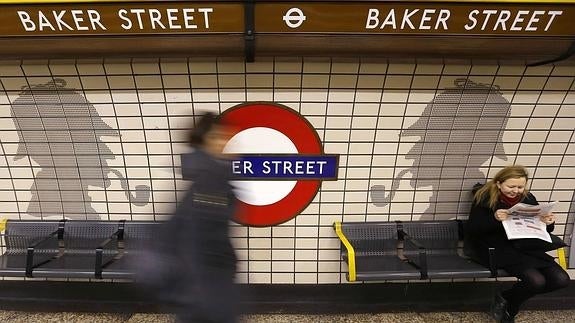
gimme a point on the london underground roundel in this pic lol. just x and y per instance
(278, 161)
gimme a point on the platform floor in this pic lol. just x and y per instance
(436, 317)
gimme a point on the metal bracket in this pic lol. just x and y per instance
(249, 30)
(570, 52)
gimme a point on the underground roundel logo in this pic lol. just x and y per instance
(279, 162)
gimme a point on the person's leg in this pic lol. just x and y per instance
(531, 282)
(555, 278)
(534, 281)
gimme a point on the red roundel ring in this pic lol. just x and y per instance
(307, 142)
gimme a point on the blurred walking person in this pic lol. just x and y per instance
(202, 275)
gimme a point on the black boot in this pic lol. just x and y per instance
(507, 317)
(500, 309)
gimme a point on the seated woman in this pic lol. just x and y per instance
(537, 271)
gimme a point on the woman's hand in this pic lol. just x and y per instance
(547, 218)
(501, 214)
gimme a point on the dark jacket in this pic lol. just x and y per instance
(202, 218)
(204, 257)
(484, 231)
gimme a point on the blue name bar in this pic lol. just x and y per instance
(286, 166)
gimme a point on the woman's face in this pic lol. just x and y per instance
(512, 187)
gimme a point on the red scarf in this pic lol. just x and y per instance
(510, 201)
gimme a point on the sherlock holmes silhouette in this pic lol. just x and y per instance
(459, 131)
(60, 131)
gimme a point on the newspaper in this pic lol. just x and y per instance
(523, 221)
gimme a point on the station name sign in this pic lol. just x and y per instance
(286, 167)
(375, 17)
(117, 19)
(461, 18)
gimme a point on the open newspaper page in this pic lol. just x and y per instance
(524, 221)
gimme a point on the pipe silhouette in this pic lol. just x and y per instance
(142, 191)
(377, 192)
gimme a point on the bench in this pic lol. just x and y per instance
(410, 250)
(74, 248)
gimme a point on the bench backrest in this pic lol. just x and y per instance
(86, 236)
(372, 238)
(438, 237)
(139, 235)
(20, 234)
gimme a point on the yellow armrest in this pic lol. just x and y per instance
(561, 258)
(350, 251)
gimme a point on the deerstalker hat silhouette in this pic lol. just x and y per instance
(60, 131)
(459, 130)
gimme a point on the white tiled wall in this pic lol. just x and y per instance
(359, 111)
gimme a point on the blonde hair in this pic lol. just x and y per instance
(491, 190)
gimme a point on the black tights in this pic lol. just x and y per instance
(534, 281)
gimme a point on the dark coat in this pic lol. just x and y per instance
(204, 257)
(484, 231)
(204, 214)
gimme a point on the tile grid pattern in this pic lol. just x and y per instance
(359, 110)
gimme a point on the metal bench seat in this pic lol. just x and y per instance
(123, 268)
(29, 243)
(137, 237)
(454, 266)
(13, 265)
(370, 268)
(63, 249)
(408, 250)
(77, 256)
(371, 250)
(77, 266)
(75, 248)
(443, 245)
